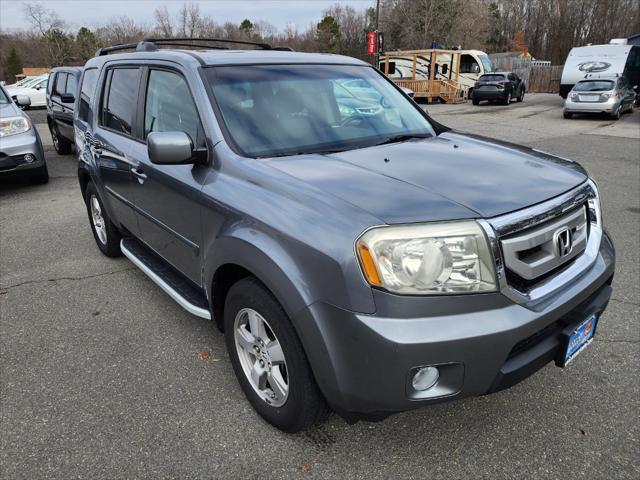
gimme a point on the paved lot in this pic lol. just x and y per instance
(102, 375)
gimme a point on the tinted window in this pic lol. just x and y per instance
(121, 99)
(169, 106)
(89, 80)
(295, 109)
(61, 80)
(491, 78)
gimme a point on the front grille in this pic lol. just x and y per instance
(537, 253)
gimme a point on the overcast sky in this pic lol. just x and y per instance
(94, 12)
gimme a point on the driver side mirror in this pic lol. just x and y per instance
(22, 101)
(170, 148)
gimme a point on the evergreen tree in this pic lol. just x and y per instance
(328, 34)
(13, 65)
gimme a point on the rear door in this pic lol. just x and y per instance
(112, 141)
(168, 196)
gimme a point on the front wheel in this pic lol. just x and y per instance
(268, 359)
(40, 176)
(104, 231)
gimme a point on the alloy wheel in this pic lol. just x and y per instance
(261, 357)
(98, 220)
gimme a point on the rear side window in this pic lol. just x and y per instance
(72, 84)
(50, 84)
(169, 106)
(61, 81)
(89, 80)
(120, 99)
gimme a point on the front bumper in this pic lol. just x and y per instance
(610, 106)
(14, 148)
(481, 343)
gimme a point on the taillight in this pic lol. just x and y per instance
(502, 84)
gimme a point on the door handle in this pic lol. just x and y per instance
(139, 174)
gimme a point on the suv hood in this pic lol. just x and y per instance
(448, 177)
(10, 110)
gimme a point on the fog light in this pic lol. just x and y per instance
(425, 378)
(28, 158)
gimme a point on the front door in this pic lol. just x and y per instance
(112, 141)
(168, 196)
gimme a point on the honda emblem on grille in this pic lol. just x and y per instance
(564, 241)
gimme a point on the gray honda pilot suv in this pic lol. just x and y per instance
(357, 255)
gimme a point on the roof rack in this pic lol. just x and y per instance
(151, 44)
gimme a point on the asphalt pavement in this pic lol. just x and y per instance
(102, 375)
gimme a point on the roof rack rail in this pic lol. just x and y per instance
(151, 44)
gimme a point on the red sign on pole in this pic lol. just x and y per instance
(372, 43)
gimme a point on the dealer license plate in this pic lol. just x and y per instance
(579, 338)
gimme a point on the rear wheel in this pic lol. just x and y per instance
(567, 114)
(507, 100)
(61, 144)
(268, 359)
(618, 113)
(475, 101)
(104, 231)
(521, 97)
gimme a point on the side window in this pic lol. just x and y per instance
(61, 81)
(169, 106)
(89, 80)
(119, 102)
(468, 64)
(50, 84)
(72, 84)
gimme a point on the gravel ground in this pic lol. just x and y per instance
(103, 376)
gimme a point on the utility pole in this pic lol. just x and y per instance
(377, 56)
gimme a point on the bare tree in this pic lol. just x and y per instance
(57, 42)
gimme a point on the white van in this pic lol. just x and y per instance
(609, 59)
(473, 64)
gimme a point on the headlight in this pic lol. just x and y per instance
(595, 212)
(428, 259)
(13, 126)
(346, 111)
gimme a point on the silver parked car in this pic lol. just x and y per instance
(610, 95)
(21, 150)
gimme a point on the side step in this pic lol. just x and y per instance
(181, 290)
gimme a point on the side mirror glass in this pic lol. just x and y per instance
(22, 101)
(67, 98)
(170, 148)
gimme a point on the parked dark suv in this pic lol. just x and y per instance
(61, 94)
(498, 87)
(370, 261)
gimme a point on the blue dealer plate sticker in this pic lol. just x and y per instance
(580, 338)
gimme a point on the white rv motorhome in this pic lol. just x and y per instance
(609, 59)
(473, 63)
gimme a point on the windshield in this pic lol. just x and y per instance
(593, 86)
(3, 97)
(491, 78)
(275, 110)
(486, 63)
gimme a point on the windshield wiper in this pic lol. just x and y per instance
(403, 138)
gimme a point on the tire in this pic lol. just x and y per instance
(475, 101)
(108, 237)
(521, 97)
(567, 115)
(507, 100)
(298, 405)
(61, 144)
(617, 114)
(40, 176)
